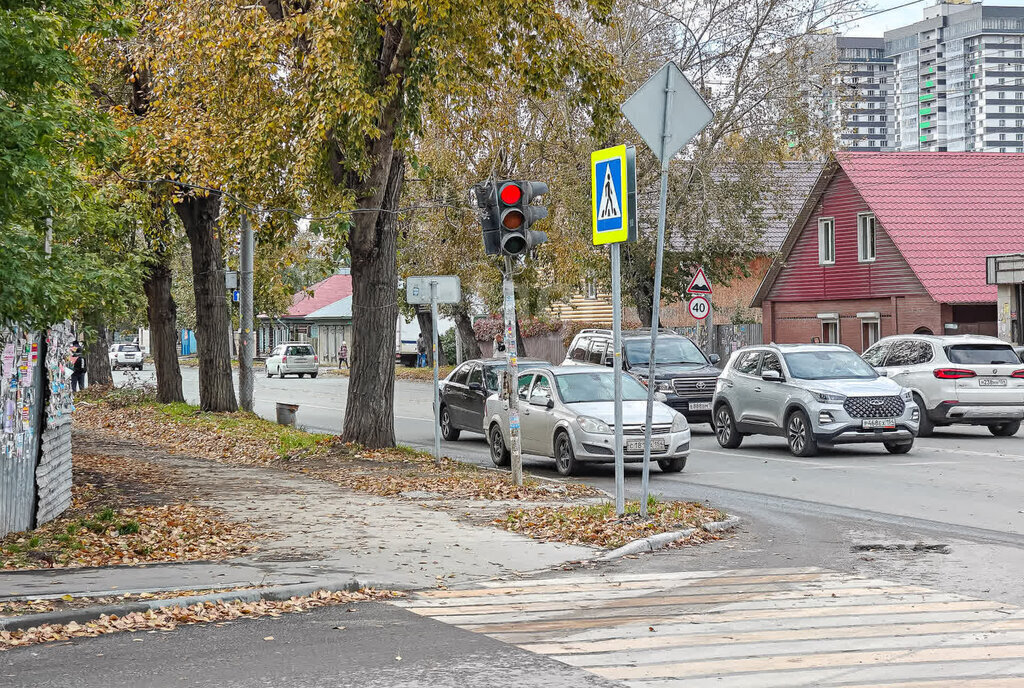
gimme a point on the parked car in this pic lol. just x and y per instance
(1019, 350)
(567, 413)
(292, 358)
(966, 379)
(681, 370)
(463, 393)
(127, 355)
(811, 394)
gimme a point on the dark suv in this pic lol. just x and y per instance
(682, 372)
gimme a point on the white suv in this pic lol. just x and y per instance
(293, 358)
(811, 394)
(125, 356)
(969, 379)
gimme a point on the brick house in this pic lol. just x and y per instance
(895, 243)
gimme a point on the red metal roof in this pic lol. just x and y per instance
(330, 290)
(945, 212)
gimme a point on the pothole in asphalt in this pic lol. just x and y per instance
(919, 547)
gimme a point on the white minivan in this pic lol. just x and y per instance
(293, 358)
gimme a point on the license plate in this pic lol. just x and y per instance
(700, 406)
(991, 382)
(638, 445)
(879, 423)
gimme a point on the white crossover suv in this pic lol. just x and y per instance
(969, 379)
(811, 394)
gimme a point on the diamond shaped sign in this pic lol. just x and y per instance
(686, 116)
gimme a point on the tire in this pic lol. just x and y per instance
(302, 375)
(269, 374)
(500, 455)
(927, 427)
(798, 434)
(1005, 429)
(313, 375)
(725, 428)
(899, 447)
(447, 431)
(565, 457)
(672, 465)
(138, 367)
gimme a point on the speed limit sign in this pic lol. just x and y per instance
(699, 307)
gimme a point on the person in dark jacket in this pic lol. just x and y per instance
(421, 351)
(77, 366)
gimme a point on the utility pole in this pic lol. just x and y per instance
(246, 349)
(508, 290)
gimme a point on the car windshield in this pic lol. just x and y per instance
(828, 365)
(982, 354)
(597, 386)
(129, 347)
(667, 350)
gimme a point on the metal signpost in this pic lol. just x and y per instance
(667, 112)
(434, 290)
(613, 199)
(247, 343)
(700, 304)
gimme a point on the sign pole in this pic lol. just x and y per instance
(508, 289)
(437, 400)
(620, 470)
(247, 350)
(656, 305)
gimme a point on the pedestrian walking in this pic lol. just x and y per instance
(77, 366)
(499, 345)
(343, 354)
(421, 351)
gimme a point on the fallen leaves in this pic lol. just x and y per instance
(168, 618)
(40, 606)
(598, 525)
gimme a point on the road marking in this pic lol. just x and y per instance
(769, 628)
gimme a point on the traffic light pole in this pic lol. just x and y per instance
(512, 368)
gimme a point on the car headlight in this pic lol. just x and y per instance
(593, 425)
(679, 423)
(664, 386)
(829, 397)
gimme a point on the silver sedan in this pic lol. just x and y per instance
(567, 413)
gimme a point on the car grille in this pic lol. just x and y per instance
(639, 429)
(695, 387)
(874, 407)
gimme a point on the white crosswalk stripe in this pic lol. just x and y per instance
(747, 628)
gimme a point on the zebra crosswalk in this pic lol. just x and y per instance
(747, 628)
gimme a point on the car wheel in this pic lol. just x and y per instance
(565, 457)
(798, 433)
(138, 367)
(926, 427)
(1005, 429)
(672, 465)
(500, 455)
(447, 431)
(302, 375)
(314, 374)
(725, 428)
(269, 373)
(899, 447)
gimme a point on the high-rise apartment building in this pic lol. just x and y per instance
(959, 79)
(860, 99)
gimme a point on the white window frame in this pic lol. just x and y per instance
(826, 251)
(867, 250)
(869, 319)
(826, 320)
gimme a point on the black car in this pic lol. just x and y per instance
(682, 372)
(463, 392)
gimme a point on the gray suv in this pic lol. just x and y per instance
(811, 394)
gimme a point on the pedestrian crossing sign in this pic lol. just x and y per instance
(613, 194)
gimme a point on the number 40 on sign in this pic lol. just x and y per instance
(699, 307)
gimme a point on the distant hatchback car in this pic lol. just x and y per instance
(811, 394)
(464, 392)
(293, 358)
(568, 413)
(959, 379)
(125, 356)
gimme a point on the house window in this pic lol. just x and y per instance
(829, 327)
(827, 241)
(591, 289)
(870, 329)
(866, 237)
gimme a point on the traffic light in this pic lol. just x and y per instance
(516, 215)
(487, 202)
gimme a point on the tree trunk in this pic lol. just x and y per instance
(464, 331)
(369, 410)
(163, 331)
(427, 328)
(97, 362)
(638, 283)
(216, 388)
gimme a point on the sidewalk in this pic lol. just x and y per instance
(325, 533)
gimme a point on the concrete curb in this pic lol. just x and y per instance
(649, 544)
(275, 593)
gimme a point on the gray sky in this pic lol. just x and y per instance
(876, 25)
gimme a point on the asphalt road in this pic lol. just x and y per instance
(856, 508)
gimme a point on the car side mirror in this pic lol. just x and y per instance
(882, 372)
(475, 387)
(609, 361)
(550, 404)
(771, 376)
(715, 359)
